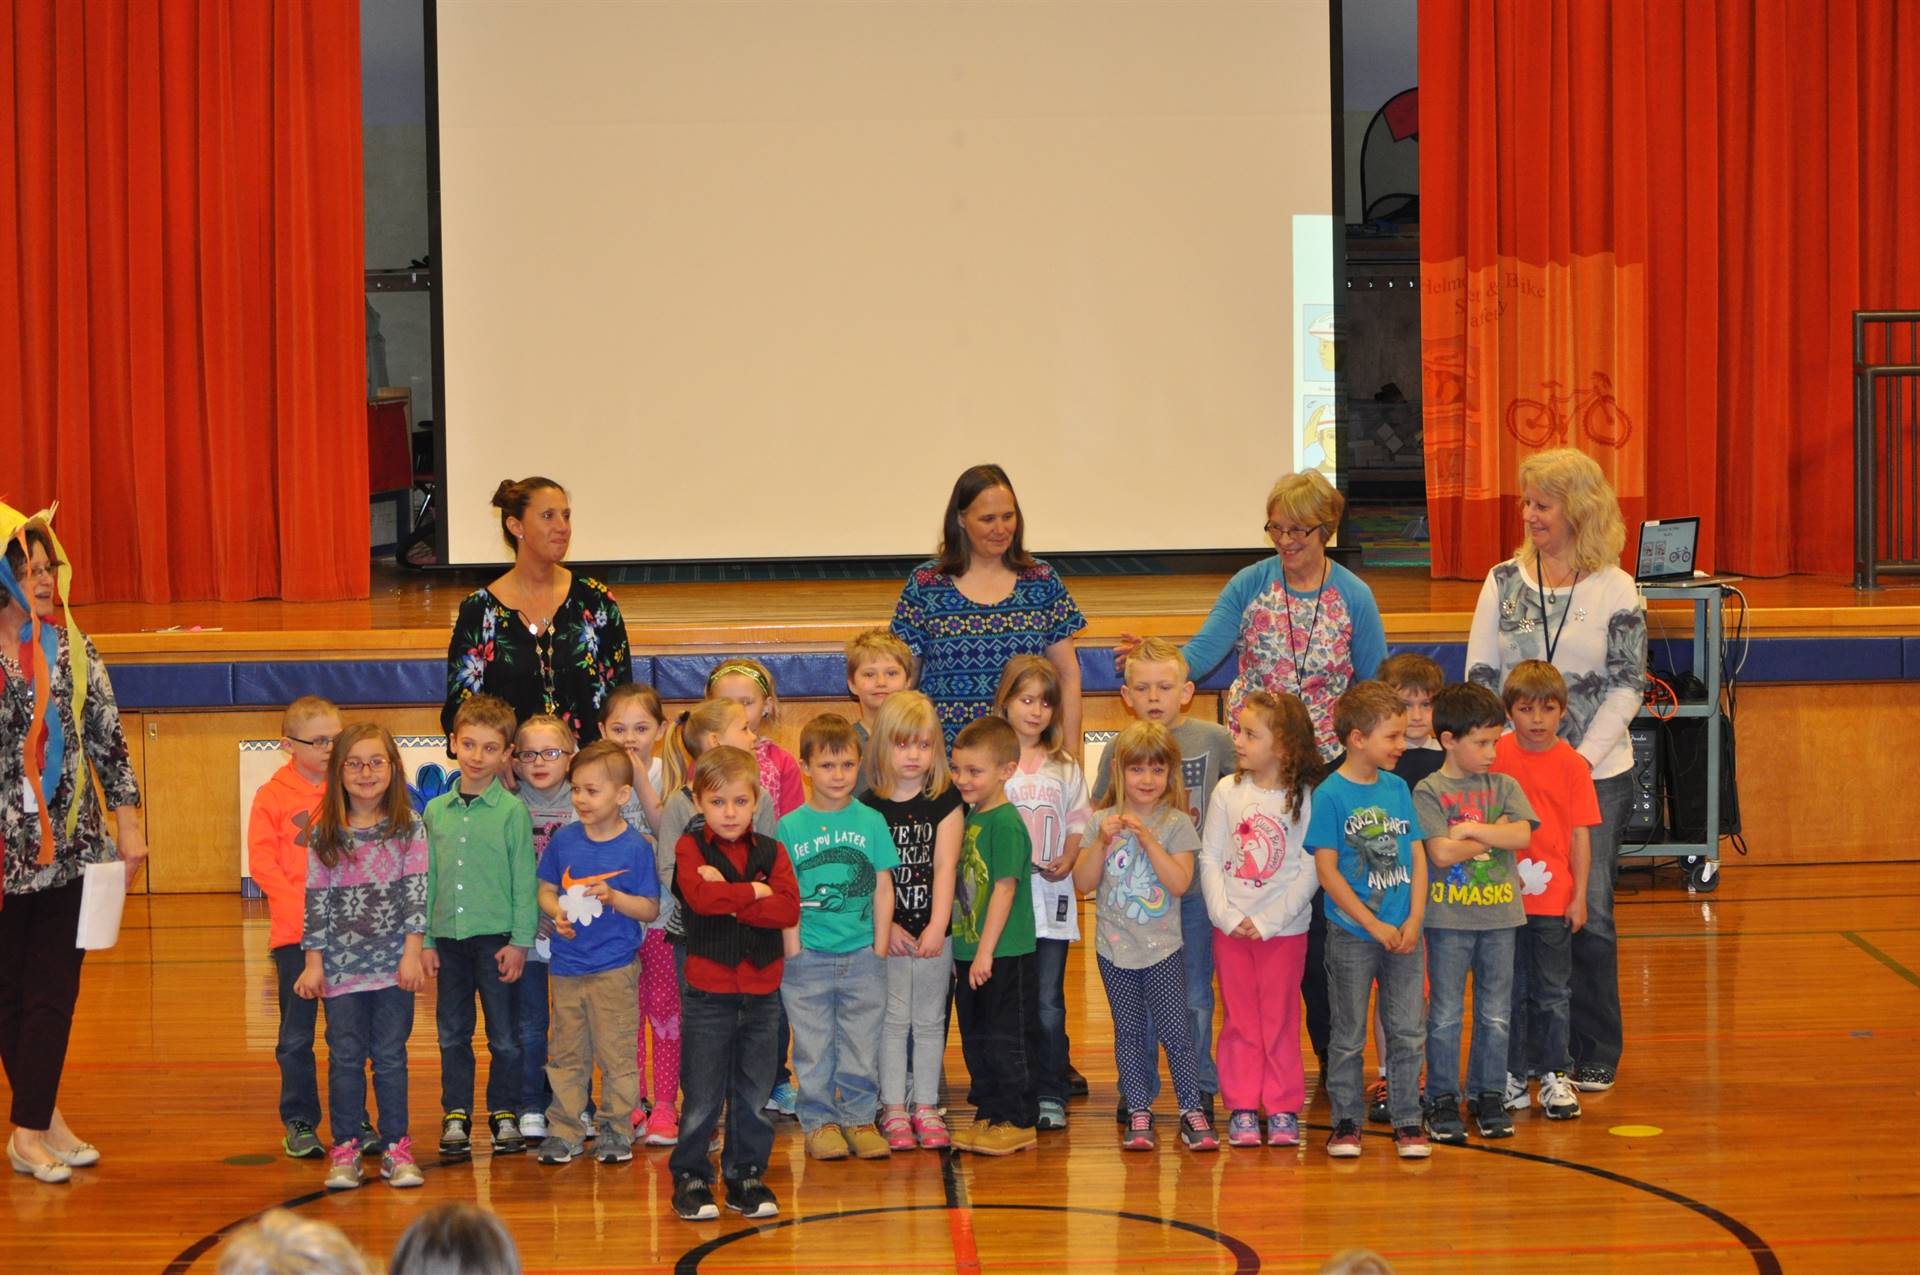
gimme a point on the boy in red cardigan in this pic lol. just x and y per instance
(277, 861)
(738, 892)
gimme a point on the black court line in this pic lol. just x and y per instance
(1246, 1260)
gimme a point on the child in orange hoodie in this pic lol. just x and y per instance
(277, 861)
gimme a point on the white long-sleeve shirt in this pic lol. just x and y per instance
(1254, 862)
(1599, 634)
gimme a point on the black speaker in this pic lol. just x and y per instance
(1684, 767)
(1643, 815)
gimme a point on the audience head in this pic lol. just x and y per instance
(280, 1243)
(455, 1239)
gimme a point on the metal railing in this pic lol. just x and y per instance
(1886, 444)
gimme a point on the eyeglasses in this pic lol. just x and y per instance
(531, 755)
(324, 742)
(1279, 532)
(371, 766)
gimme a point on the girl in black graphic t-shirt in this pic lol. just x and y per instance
(906, 771)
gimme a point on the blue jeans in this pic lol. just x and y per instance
(293, 1051)
(367, 1027)
(1542, 969)
(1353, 963)
(1050, 970)
(726, 1060)
(1595, 1034)
(530, 1029)
(467, 967)
(1450, 955)
(837, 1003)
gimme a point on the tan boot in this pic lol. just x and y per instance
(867, 1143)
(1004, 1139)
(827, 1143)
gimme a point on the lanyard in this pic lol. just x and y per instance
(1550, 636)
(1298, 656)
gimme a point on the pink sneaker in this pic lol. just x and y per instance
(931, 1128)
(897, 1129)
(663, 1126)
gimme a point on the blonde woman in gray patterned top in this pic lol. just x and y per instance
(1564, 598)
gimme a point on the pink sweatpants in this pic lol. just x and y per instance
(1259, 1049)
(660, 1010)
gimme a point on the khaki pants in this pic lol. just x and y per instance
(596, 1019)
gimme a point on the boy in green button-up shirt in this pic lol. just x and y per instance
(481, 912)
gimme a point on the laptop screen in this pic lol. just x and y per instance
(1666, 548)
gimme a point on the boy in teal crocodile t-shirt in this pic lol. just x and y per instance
(835, 984)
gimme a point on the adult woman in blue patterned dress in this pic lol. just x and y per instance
(53, 829)
(541, 637)
(983, 600)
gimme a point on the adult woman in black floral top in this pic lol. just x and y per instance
(53, 830)
(540, 637)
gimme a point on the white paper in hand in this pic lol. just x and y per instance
(102, 897)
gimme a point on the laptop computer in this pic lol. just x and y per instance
(1665, 556)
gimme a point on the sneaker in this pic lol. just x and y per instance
(1196, 1131)
(1076, 1083)
(1344, 1142)
(897, 1129)
(1003, 1139)
(369, 1141)
(1243, 1129)
(301, 1142)
(1206, 1104)
(781, 1101)
(343, 1167)
(1283, 1129)
(930, 1127)
(1444, 1124)
(1556, 1095)
(1411, 1142)
(1139, 1134)
(613, 1150)
(1377, 1101)
(663, 1126)
(455, 1138)
(398, 1168)
(1490, 1116)
(1516, 1098)
(828, 1143)
(555, 1149)
(1053, 1115)
(751, 1198)
(506, 1134)
(1592, 1078)
(533, 1126)
(693, 1200)
(867, 1144)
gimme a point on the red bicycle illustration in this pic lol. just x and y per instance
(1599, 414)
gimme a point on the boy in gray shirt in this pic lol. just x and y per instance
(1473, 822)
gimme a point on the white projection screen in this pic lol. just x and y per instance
(758, 278)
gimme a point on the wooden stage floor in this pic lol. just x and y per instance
(1763, 1122)
(410, 614)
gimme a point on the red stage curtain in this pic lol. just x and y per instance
(182, 319)
(1668, 210)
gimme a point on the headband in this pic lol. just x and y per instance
(750, 671)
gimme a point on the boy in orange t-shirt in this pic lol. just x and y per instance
(277, 861)
(1553, 883)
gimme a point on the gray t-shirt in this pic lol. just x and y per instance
(1206, 756)
(1481, 893)
(1137, 919)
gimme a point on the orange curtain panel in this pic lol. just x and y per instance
(182, 333)
(1645, 227)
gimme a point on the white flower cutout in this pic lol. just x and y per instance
(1534, 876)
(579, 907)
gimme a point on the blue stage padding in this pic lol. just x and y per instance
(822, 674)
